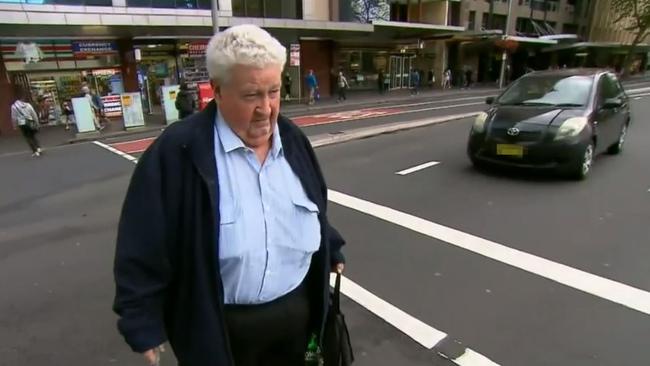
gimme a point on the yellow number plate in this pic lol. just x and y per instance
(510, 150)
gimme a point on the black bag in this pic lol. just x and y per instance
(337, 349)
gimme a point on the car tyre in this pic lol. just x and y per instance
(583, 163)
(617, 148)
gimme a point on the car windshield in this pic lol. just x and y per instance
(549, 90)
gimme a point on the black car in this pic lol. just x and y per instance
(557, 119)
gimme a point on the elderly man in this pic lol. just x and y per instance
(224, 248)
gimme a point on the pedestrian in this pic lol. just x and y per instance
(380, 81)
(446, 82)
(68, 113)
(468, 77)
(312, 86)
(415, 82)
(431, 79)
(185, 103)
(287, 85)
(343, 86)
(94, 107)
(224, 247)
(25, 118)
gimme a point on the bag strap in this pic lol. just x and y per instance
(336, 298)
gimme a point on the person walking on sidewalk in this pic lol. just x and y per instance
(446, 79)
(185, 103)
(287, 85)
(312, 86)
(380, 81)
(415, 82)
(95, 108)
(25, 118)
(224, 248)
(343, 86)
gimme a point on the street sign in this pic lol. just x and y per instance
(294, 55)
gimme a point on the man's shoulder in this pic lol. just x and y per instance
(181, 132)
(289, 130)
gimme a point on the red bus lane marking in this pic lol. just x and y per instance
(138, 146)
(132, 147)
(321, 119)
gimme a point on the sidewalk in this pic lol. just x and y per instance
(51, 136)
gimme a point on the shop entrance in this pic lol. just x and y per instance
(400, 67)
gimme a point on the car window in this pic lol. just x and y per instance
(608, 88)
(549, 90)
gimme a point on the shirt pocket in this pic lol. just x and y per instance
(230, 231)
(305, 238)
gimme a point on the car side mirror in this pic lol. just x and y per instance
(489, 100)
(613, 103)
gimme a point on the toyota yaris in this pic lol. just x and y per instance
(555, 120)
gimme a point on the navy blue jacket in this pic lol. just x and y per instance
(168, 281)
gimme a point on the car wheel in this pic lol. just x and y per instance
(618, 146)
(478, 164)
(583, 163)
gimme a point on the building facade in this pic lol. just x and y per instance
(53, 47)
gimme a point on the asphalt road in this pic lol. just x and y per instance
(513, 317)
(58, 217)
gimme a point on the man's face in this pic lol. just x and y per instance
(250, 102)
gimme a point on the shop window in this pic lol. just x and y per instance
(139, 3)
(204, 4)
(287, 9)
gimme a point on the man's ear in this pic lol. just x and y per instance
(216, 90)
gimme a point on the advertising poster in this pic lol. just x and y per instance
(83, 115)
(205, 95)
(169, 93)
(132, 110)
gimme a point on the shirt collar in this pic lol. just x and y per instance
(231, 142)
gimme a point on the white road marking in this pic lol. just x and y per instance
(639, 90)
(616, 292)
(420, 332)
(417, 168)
(116, 151)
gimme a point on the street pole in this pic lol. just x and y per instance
(504, 56)
(215, 16)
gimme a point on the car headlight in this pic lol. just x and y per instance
(479, 123)
(571, 128)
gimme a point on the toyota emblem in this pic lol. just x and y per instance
(514, 131)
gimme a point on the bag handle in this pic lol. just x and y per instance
(336, 298)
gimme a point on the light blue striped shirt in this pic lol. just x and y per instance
(269, 228)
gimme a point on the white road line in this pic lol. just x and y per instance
(420, 332)
(616, 292)
(116, 151)
(417, 168)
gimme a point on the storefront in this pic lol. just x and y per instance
(363, 67)
(55, 71)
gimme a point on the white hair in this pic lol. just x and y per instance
(245, 44)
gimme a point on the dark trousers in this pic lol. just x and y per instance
(30, 137)
(342, 93)
(272, 334)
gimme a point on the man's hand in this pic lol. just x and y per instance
(339, 268)
(152, 356)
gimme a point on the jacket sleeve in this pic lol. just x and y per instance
(336, 241)
(142, 269)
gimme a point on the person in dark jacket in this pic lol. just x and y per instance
(224, 248)
(185, 103)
